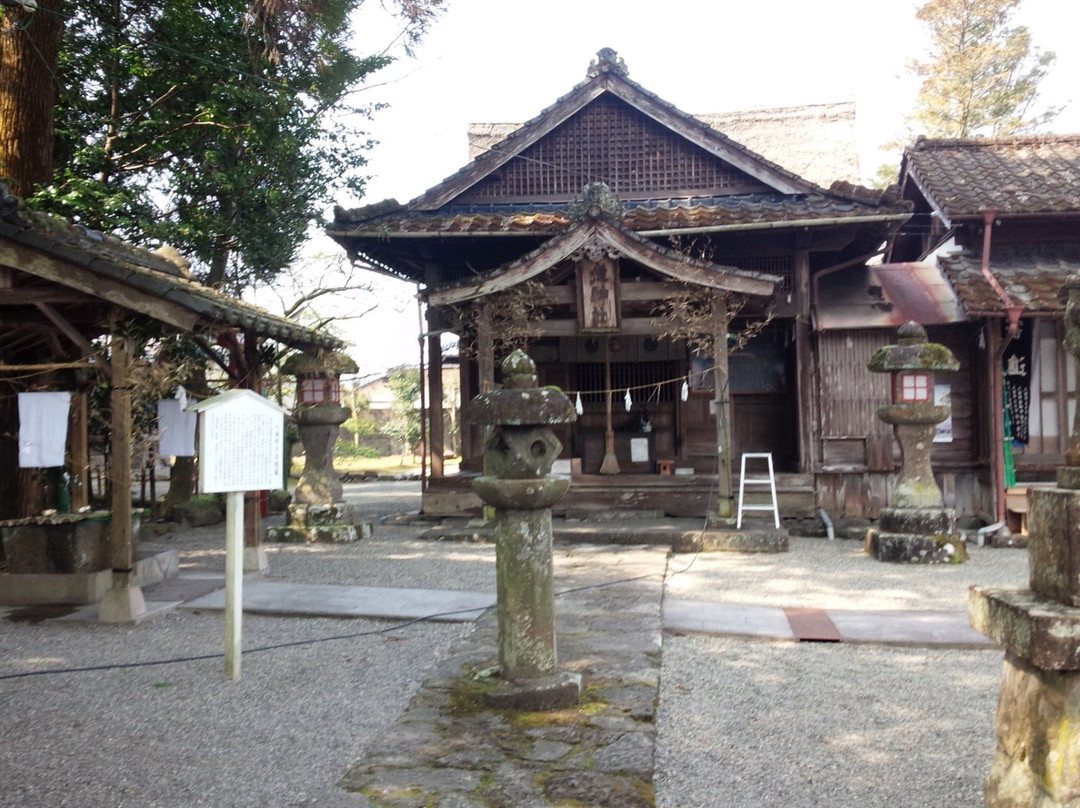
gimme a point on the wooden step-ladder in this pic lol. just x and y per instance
(744, 481)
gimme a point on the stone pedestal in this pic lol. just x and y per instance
(1037, 762)
(320, 523)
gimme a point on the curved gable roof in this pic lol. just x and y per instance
(607, 76)
(593, 232)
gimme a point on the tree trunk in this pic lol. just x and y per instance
(29, 44)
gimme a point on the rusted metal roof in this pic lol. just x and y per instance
(886, 296)
(1012, 176)
(1031, 275)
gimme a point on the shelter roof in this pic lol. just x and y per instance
(71, 276)
(1031, 275)
(814, 141)
(598, 235)
(1014, 176)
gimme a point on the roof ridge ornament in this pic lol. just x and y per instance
(597, 202)
(607, 61)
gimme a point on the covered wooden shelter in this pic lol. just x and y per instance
(574, 232)
(70, 300)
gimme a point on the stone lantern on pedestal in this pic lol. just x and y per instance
(1038, 723)
(916, 526)
(518, 456)
(317, 512)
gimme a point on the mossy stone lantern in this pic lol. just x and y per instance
(319, 416)
(916, 526)
(518, 456)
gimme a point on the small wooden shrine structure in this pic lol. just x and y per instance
(70, 299)
(571, 234)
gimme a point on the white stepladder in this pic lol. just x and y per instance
(769, 481)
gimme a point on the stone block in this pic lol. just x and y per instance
(62, 544)
(734, 541)
(338, 513)
(917, 521)
(1054, 543)
(306, 534)
(916, 549)
(1038, 739)
(1038, 630)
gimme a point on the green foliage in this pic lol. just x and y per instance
(983, 74)
(345, 448)
(405, 426)
(215, 127)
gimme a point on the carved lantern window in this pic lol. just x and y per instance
(315, 390)
(912, 387)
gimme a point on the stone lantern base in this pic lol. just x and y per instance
(334, 523)
(917, 536)
(1038, 723)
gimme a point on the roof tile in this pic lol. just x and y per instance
(1014, 176)
(1032, 276)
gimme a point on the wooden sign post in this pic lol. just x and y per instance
(241, 444)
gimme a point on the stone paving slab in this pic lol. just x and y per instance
(914, 628)
(334, 600)
(726, 618)
(450, 750)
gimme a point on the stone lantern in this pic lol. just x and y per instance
(317, 512)
(916, 526)
(518, 456)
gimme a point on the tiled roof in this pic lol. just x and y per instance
(712, 212)
(1032, 276)
(1013, 176)
(144, 276)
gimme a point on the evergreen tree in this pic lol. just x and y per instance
(215, 127)
(982, 75)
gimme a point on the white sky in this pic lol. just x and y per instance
(503, 61)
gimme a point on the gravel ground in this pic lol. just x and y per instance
(746, 724)
(742, 722)
(750, 723)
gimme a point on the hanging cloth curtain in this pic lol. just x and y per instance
(176, 428)
(43, 428)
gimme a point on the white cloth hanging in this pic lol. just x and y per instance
(176, 429)
(627, 401)
(685, 391)
(578, 408)
(43, 428)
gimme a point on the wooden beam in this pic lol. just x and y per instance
(73, 276)
(66, 328)
(24, 296)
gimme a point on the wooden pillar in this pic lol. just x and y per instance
(80, 452)
(254, 553)
(124, 602)
(436, 431)
(485, 348)
(807, 390)
(725, 507)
